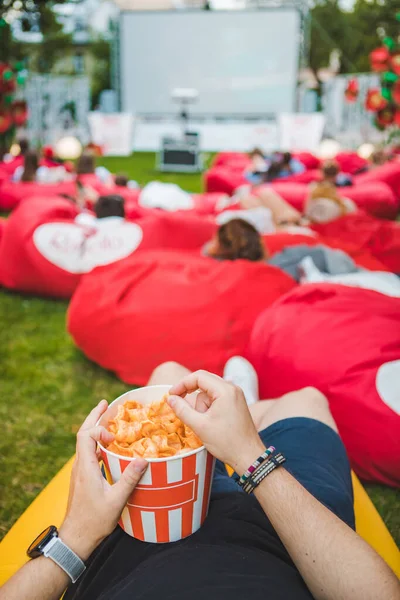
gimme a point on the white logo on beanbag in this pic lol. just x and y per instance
(79, 249)
(388, 384)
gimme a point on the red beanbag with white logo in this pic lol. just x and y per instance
(45, 251)
(164, 305)
(345, 342)
(11, 194)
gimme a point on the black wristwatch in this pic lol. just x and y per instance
(49, 544)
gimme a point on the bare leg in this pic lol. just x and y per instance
(168, 373)
(282, 211)
(308, 402)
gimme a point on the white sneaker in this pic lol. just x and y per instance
(239, 371)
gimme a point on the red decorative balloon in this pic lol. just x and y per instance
(6, 121)
(379, 59)
(395, 62)
(352, 90)
(19, 112)
(396, 93)
(385, 117)
(374, 100)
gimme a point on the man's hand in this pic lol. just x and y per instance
(95, 506)
(220, 417)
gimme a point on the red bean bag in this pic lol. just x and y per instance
(388, 173)
(9, 167)
(224, 179)
(238, 159)
(11, 193)
(310, 161)
(306, 177)
(159, 306)
(380, 238)
(44, 251)
(345, 342)
(350, 162)
(2, 226)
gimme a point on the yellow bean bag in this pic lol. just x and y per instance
(49, 509)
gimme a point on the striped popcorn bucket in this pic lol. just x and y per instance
(171, 501)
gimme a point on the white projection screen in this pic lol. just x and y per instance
(241, 63)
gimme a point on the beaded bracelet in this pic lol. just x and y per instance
(262, 472)
(255, 465)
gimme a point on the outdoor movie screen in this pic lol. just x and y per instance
(241, 63)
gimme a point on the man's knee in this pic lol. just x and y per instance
(312, 394)
(167, 373)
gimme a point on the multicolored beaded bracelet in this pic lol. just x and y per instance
(255, 465)
(263, 471)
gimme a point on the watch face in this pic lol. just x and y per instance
(36, 548)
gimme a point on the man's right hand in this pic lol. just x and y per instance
(220, 417)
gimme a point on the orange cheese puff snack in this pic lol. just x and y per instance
(150, 431)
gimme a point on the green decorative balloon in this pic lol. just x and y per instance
(19, 66)
(21, 79)
(3, 23)
(390, 77)
(8, 75)
(386, 93)
(389, 43)
(8, 99)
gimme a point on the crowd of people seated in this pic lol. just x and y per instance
(44, 167)
(278, 165)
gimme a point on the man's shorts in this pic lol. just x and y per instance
(315, 456)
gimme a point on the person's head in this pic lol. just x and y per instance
(256, 153)
(121, 179)
(31, 164)
(286, 158)
(23, 146)
(109, 206)
(238, 239)
(273, 171)
(378, 158)
(85, 164)
(330, 170)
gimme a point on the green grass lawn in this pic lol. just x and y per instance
(47, 386)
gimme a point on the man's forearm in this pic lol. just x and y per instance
(334, 561)
(39, 579)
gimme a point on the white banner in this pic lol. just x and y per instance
(113, 132)
(300, 131)
(214, 137)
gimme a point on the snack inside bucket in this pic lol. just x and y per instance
(172, 498)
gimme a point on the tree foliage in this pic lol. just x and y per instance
(355, 34)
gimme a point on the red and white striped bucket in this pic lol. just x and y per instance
(171, 501)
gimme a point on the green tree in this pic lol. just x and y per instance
(330, 30)
(100, 50)
(372, 20)
(32, 13)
